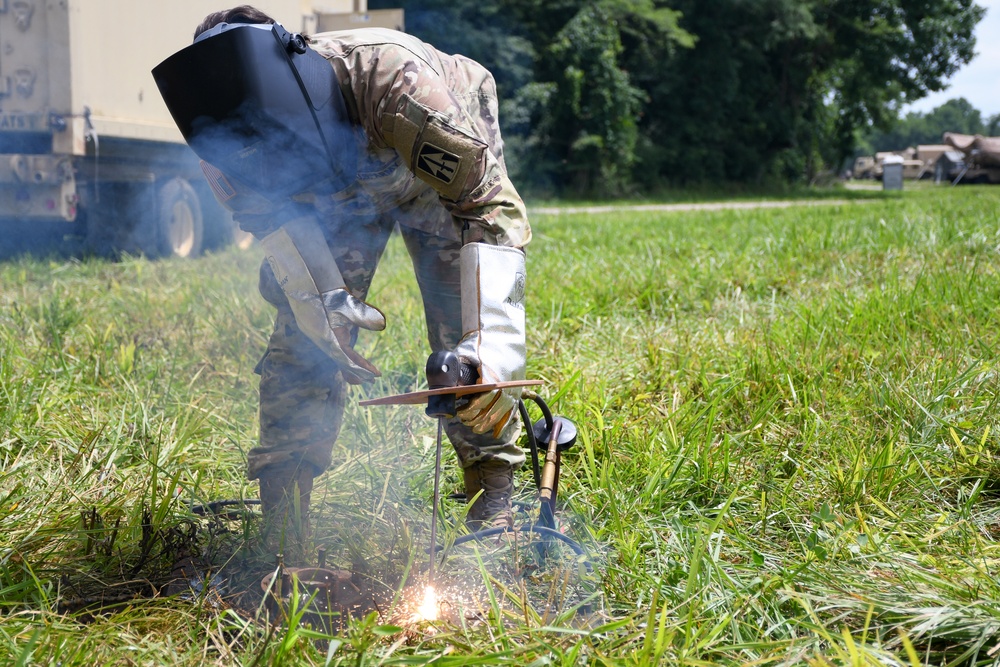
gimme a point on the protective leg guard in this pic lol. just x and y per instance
(493, 325)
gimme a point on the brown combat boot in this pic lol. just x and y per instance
(493, 507)
(284, 501)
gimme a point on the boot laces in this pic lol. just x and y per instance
(497, 485)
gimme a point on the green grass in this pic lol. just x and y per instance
(706, 193)
(788, 447)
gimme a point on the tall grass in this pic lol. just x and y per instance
(787, 447)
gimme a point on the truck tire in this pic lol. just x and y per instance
(221, 230)
(241, 239)
(180, 226)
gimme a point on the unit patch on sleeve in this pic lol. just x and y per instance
(437, 162)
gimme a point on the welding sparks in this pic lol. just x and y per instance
(428, 609)
(428, 605)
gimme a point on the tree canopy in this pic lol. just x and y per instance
(956, 115)
(607, 96)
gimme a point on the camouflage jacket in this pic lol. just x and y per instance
(430, 123)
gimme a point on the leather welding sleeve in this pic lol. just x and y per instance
(493, 325)
(324, 309)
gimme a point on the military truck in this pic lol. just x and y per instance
(88, 151)
(981, 163)
(863, 167)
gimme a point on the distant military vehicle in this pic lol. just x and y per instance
(864, 167)
(981, 162)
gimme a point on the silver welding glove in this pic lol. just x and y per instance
(493, 325)
(323, 308)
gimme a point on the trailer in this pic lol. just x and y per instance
(89, 155)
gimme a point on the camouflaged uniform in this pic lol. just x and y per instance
(432, 163)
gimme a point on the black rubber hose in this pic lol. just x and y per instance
(536, 469)
(214, 506)
(538, 530)
(550, 421)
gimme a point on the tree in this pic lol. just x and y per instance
(586, 106)
(726, 108)
(477, 29)
(779, 87)
(600, 93)
(885, 53)
(993, 126)
(956, 115)
(594, 107)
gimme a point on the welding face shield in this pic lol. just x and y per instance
(257, 103)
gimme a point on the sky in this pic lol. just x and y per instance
(979, 81)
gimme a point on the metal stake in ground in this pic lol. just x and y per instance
(437, 501)
(443, 370)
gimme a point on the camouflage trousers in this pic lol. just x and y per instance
(302, 394)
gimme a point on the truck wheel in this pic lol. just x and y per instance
(221, 231)
(243, 240)
(220, 228)
(180, 227)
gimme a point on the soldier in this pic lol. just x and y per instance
(412, 142)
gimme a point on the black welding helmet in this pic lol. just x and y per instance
(259, 104)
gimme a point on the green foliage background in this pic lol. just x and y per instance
(609, 97)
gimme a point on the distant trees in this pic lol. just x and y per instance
(957, 115)
(993, 126)
(604, 96)
(593, 73)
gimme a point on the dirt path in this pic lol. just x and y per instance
(704, 206)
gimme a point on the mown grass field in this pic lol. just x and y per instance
(788, 447)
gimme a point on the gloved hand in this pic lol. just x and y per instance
(323, 308)
(494, 329)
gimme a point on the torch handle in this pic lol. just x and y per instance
(445, 370)
(550, 477)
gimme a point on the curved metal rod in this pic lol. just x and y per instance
(533, 528)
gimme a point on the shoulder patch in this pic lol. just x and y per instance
(438, 162)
